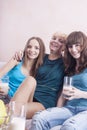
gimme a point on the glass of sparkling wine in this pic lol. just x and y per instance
(67, 84)
(18, 116)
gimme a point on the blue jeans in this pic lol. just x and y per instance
(71, 118)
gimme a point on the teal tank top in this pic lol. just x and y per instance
(16, 77)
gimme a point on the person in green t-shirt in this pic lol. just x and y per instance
(49, 79)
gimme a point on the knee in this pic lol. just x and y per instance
(40, 121)
(31, 81)
(38, 117)
(69, 125)
(37, 120)
(30, 78)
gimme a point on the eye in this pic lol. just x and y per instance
(54, 38)
(69, 46)
(29, 46)
(77, 45)
(37, 48)
(61, 40)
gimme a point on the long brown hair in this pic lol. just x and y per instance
(70, 63)
(39, 60)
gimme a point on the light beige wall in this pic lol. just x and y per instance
(21, 19)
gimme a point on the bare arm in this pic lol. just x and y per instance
(61, 101)
(8, 66)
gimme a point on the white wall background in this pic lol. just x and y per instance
(21, 19)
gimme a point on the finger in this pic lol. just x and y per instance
(71, 91)
(67, 97)
(17, 56)
(69, 94)
(1, 93)
(70, 98)
(73, 88)
(21, 55)
(66, 88)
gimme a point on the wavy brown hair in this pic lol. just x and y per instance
(39, 60)
(70, 62)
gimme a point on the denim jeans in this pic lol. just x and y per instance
(71, 118)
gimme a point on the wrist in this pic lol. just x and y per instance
(84, 94)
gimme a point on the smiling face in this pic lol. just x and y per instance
(75, 57)
(57, 42)
(33, 49)
(75, 50)
(75, 44)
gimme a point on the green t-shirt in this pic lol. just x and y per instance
(49, 81)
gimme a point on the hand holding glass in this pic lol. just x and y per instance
(4, 84)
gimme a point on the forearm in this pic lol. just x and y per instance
(61, 101)
(7, 67)
(83, 94)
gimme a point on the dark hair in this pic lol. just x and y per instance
(70, 63)
(39, 60)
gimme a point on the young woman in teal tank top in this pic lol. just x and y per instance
(32, 59)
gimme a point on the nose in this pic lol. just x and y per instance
(32, 49)
(74, 48)
(56, 41)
